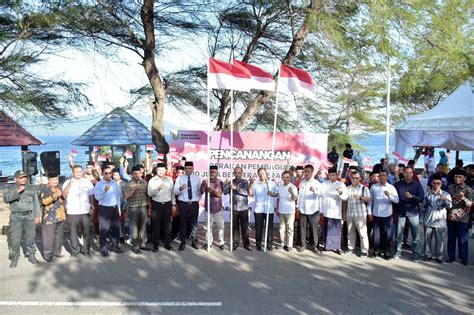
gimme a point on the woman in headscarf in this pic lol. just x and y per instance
(444, 160)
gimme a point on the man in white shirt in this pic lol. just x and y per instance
(382, 197)
(79, 195)
(308, 205)
(188, 189)
(163, 204)
(287, 195)
(334, 193)
(356, 214)
(109, 195)
(264, 191)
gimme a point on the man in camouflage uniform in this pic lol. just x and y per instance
(25, 213)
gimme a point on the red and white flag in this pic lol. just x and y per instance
(101, 158)
(346, 160)
(368, 168)
(172, 149)
(259, 79)
(223, 75)
(74, 152)
(161, 156)
(399, 156)
(327, 165)
(368, 159)
(150, 147)
(297, 81)
(96, 148)
(128, 154)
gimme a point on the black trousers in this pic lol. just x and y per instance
(82, 221)
(240, 224)
(188, 212)
(109, 226)
(52, 235)
(161, 222)
(313, 221)
(260, 219)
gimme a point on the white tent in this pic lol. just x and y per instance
(450, 124)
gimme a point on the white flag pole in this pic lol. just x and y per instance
(231, 240)
(208, 162)
(387, 122)
(273, 155)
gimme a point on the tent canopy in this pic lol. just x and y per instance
(450, 124)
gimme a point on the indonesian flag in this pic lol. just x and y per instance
(368, 168)
(368, 159)
(223, 75)
(101, 158)
(399, 156)
(297, 81)
(128, 154)
(161, 156)
(260, 80)
(96, 148)
(327, 165)
(172, 149)
(74, 152)
(346, 160)
(150, 147)
(174, 160)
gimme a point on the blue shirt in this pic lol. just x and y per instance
(110, 198)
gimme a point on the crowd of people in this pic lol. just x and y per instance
(345, 209)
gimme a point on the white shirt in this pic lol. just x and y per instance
(263, 202)
(195, 186)
(332, 200)
(161, 195)
(109, 198)
(309, 202)
(77, 201)
(430, 163)
(286, 204)
(380, 204)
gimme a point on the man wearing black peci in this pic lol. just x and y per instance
(188, 189)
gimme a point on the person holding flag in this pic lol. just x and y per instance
(265, 192)
(214, 192)
(287, 195)
(239, 188)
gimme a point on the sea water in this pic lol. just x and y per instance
(372, 146)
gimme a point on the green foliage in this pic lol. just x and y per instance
(26, 34)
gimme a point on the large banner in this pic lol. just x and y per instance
(251, 150)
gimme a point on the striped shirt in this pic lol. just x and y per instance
(356, 207)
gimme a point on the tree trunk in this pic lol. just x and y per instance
(158, 105)
(264, 96)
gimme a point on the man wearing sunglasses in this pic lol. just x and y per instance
(108, 193)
